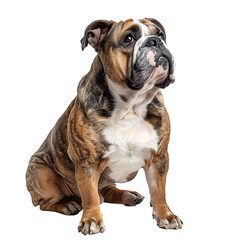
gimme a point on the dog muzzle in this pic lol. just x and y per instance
(151, 54)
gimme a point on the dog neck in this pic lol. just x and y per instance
(131, 103)
(93, 91)
(97, 92)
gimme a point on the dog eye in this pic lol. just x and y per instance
(128, 39)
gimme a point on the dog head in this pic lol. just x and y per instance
(133, 53)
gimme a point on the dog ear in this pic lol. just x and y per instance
(159, 25)
(95, 32)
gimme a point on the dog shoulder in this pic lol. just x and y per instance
(85, 143)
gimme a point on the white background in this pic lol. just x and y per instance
(41, 63)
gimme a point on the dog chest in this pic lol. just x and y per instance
(131, 140)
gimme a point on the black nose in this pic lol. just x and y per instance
(152, 42)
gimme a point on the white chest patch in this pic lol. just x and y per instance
(132, 140)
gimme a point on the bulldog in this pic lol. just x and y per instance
(116, 125)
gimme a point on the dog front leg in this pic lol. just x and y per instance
(87, 180)
(156, 173)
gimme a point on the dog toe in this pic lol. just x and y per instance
(131, 198)
(72, 208)
(171, 222)
(90, 226)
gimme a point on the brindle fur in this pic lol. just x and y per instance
(69, 172)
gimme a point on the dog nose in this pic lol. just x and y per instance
(152, 42)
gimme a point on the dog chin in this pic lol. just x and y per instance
(158, 74)
(135, 86)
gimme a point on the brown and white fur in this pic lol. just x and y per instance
(116, 125)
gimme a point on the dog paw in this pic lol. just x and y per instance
(130, 198)
(171, 221)
(71, 208)
(91, 226)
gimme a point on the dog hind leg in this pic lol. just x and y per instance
(45, 187)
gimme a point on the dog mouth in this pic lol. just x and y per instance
(166, 58)
(155, 64)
